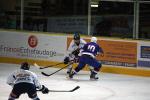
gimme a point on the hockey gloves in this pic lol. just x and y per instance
(76, 59)
(76, 52)
(66, 60)
(44, 90)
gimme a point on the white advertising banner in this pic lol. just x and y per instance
(33, 46)
(144, 54)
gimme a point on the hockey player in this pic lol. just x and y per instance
(90, 50)
(25, 81)
(74, 48)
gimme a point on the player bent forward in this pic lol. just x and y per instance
(90, 50)
(73, 51)
(25, 81)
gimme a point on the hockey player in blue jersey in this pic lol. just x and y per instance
(89, 51)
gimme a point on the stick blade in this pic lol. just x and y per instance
(36, 65)
(77, 87)
(44, 74)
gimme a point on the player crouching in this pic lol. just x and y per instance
(25, 81)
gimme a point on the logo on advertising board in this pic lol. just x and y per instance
(32, 41)
(145, 52)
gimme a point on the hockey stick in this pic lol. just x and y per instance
(72, 90)
(47, 66)
(56, 71)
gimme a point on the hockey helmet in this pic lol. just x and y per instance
(25, 66)
(94, 39)
(76, 36)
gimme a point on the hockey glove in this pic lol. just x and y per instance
(76, 52)
(66, 60)
(44, 90)
(76, 59)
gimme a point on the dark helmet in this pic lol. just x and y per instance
(25, 66)
(76, 36)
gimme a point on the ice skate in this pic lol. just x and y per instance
(71, 74)
(93, 76)
(69, 70)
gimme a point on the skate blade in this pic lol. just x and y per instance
(92, 79)
(68, 77)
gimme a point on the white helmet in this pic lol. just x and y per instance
(94, 39)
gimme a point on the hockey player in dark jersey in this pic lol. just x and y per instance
(88, 53)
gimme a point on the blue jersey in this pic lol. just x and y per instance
(92, 49)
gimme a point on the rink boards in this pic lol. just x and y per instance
(120, 56)
(105, 68)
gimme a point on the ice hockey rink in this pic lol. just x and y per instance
(108, 87)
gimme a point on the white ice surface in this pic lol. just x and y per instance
(108, 87)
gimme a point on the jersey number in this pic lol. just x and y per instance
(91, 48)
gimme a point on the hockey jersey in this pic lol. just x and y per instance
(72, 47)
(24, 76)
(91, 49)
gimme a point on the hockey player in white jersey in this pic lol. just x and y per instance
(25, 81)
(74, 49)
